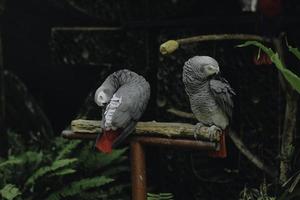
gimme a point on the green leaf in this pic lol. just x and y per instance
(292, 78)
(68, 149)
(99, 160)
(79, 186)
(294, 51)
(160, 196)
(63, 172)
(56, 165)
(10, 192)
(10, 161)
(107, 159)
(27, 157)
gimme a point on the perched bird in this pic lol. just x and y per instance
(210, 96)
(123, 97)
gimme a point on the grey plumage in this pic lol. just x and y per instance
(124, 95)
(210, 97)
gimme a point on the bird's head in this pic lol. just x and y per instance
(102, 96)
(200, 68)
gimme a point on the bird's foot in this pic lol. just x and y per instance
(197, 129)
(214, 133)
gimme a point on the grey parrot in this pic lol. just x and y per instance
(123, 96)
(210, 95)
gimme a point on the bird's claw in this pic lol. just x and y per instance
(197, 130)
(214, 133)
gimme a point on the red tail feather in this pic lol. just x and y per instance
(104, 143)
(222, 152)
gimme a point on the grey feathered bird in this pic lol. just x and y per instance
(123, 97)
(210, 96)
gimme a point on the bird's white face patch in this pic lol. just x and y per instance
(102, 98)
(211, 69)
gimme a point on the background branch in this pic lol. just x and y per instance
(240, 146)
(172, 45)
(289, 125)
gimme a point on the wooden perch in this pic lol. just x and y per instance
(162, 129)
(171, 45)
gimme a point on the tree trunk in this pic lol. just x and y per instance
(287, 136)
(287, 147)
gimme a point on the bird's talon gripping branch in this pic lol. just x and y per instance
(214, 133)
(197, 130)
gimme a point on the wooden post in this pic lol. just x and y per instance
(138, 171)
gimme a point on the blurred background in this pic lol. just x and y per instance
(57, 52)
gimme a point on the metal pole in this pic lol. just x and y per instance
(138, 171)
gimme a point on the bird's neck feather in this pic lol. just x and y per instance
(195, 86)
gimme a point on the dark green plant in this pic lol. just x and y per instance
(291, 77)
(255, 194)
(287, 148)
(70, 169)
(160, 196)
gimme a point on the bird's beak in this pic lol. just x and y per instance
(103, 104)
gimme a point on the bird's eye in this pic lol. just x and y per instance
(210, 67)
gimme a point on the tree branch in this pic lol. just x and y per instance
(289, 125)
(251, 157)
(171, 45)
(163, 129)
(240, 146)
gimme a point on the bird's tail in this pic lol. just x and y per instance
(222, 151)
(124, 134)
(105, 142)
(111, 139)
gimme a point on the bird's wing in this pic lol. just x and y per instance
(222, 92)
(133, 100)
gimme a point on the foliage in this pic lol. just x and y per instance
(160, 196)
(255, 194)
(10, 192)
(292, 78)
(78, 186)
(294, 51)
(52, 169)
(290, 190)
(67, 170)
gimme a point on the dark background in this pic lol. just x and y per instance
(61, 66)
